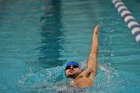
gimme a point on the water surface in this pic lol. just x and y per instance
(39, 37)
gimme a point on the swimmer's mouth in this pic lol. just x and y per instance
(71, 70)
(71, 76)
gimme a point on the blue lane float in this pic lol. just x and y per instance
(128, 18)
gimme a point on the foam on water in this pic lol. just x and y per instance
(54, 80)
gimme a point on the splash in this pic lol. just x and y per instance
(53, 80)
(43, 79)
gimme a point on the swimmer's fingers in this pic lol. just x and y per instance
(96, 29)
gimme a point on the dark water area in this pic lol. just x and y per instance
(51, 31)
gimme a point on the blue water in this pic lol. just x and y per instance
(38, 37)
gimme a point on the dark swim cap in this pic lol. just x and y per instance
(72, 63)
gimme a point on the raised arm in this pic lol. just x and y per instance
(92, 61)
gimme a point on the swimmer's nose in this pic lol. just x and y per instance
(71, 67)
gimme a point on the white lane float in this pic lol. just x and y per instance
(128, 18)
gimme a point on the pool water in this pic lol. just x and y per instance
(38, 37)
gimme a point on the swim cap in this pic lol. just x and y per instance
(72, 63)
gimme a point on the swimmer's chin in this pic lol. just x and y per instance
(72, 76)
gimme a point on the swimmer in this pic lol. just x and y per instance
(85, 78)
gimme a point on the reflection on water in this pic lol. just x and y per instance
(51, 32)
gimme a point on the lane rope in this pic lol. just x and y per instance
(128, 19)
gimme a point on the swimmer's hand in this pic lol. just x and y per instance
(96, 30)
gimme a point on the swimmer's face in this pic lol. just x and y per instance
(72, 71)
